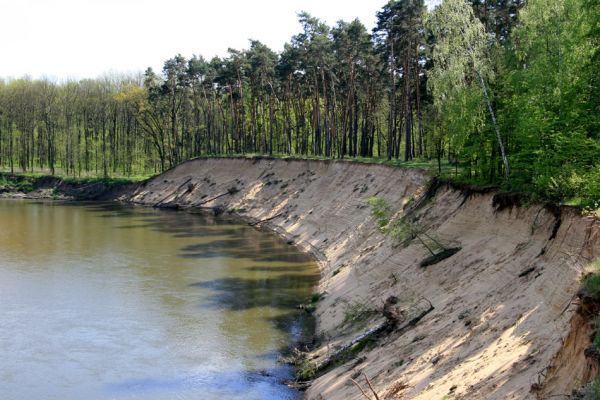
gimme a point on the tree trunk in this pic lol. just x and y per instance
(491, 110)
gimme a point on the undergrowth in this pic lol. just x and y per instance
(17, 184)
(591, 281)
(306, 370)
(28, 182)
(590, 286)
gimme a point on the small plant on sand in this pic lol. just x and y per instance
(306, 370)
(403, 232)
(381, 211)
(360, 345)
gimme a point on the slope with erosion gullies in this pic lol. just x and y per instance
(492, 321)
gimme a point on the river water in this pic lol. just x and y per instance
(102, 301)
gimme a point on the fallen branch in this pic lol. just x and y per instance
(230, 191)
(159, 204)
(374, 332)
(361, 389)
(264, 220)
(370, 387)
(526, 272)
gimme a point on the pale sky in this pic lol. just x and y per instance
(86, 38)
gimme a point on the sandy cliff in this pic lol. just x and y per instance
(503, 324)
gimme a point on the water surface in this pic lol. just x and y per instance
(101, 301)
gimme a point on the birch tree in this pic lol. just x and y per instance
(460, 60)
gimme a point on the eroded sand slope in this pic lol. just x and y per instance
(495, 330)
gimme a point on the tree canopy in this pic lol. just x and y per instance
(507, 93)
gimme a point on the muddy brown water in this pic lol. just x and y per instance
(102, 301)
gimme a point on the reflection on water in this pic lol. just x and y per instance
(101, 301)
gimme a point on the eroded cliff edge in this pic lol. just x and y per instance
(504, 315)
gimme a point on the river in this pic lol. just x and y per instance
(104, 301)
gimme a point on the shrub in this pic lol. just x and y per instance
(315, 297)
(591, 282)
(380, 210)
(306, 370)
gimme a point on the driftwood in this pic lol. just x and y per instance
(370, 387)
(230, 191)
(264, 220)
(160, 203)
(418, 311)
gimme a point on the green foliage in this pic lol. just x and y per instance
(111, 181)
(549, 102)
(594, 391)
(315, 297)
(381, 211)
(28, 182)
(338, 92)
(306, 370)
(14, 183)
(401, 231)
(596, 340)
(591, 281)
(360, 345)
(398, 228)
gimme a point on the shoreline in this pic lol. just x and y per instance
(321, 207)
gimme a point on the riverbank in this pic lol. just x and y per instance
(502, 305)
(498, 319)
(58, 188)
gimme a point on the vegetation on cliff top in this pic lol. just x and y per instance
(504, 92)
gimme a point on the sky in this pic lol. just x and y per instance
(62, 39)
